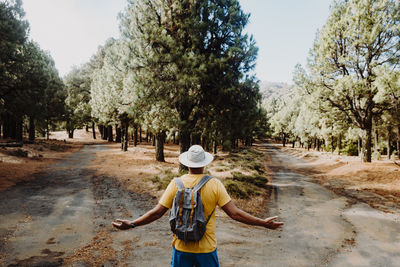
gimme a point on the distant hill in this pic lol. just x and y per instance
(274, 89)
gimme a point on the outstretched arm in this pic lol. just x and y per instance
(150, 216)
(244, 217)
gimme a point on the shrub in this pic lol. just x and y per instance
(245, 186)
(351, 149)
(240, 189)
(18, 153)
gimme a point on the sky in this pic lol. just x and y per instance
(72, 30)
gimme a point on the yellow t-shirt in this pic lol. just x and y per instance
(213, 193)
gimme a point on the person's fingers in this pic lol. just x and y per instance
(270, 219)
(115, 224)
(119, 220)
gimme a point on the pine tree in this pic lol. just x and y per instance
(358, 37)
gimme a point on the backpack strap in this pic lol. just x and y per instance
(202, 182)
(179, 183)
(181, 187)
(197, 188)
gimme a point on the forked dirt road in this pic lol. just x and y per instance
(63, 218)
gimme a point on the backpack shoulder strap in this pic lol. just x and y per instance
(202, 182)
(179, 183)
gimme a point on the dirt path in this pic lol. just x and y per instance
(321, 228)
(63, 218)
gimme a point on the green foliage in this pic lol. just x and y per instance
(78, 109)
(29, 82)
(248, 159)
(242, 186)
(194, 63)
(14, 32)
(351, 149)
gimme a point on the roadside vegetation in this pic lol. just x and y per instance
(243, 173)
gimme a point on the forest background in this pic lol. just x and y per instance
(182, 72)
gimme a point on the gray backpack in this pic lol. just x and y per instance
(186, 217)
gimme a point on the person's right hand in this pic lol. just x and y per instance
(271, 224)
(122, 224)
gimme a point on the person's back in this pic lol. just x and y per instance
(213, 193)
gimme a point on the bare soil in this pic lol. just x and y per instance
(18, 164)
(376, 183)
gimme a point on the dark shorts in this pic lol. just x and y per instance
(185, 259)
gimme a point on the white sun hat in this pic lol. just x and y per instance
(195, 157)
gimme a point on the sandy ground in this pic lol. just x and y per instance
(348, 174)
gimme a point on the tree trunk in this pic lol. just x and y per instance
(93, 130)
(389, 151)
(101, 130)
(153, 140)
(47, 130)
(184, 137)
(87, 128)
(207, 146)
(124, 135)
(332, 146)
(117, 134)
(160, 139)
(18, 129)
(135, 135)
(140, 134)
(105, 133)
(283, 139)
(147, 136)
(359, 146)
(110, 133)
(71, 133)
(339, 144)
(12, 128)
(195, 140)
(215, 142)
(366, 145)
(376, 140)
(31, 128)
(7, 126)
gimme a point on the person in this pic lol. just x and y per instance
(213, 193)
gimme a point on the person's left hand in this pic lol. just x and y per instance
(122, 224)
(270, 223)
